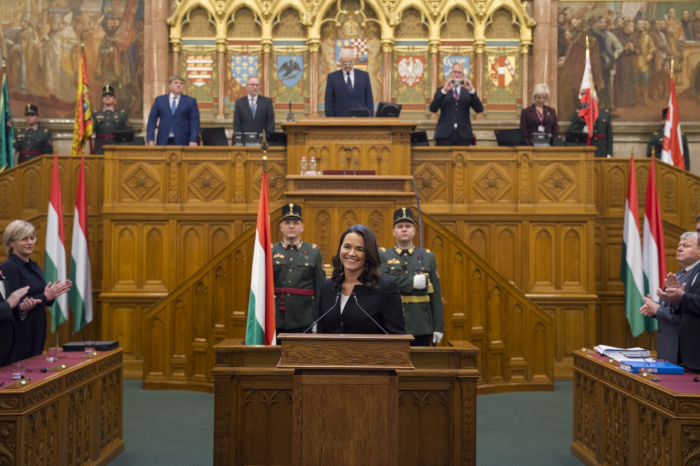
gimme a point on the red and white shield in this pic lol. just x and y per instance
(411, 70)
(501, 70)
(199, 69)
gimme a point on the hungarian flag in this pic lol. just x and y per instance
(55, 256)
(7, 128)
(80, 294)
(631, 272)
(82, 127)
(589, 99)
(672, 149)
(261, 305)
(653, 256)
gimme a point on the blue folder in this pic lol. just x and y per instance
(656, 367)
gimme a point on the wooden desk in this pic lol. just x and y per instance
(626, 419)
(253, 406)
(70, 417)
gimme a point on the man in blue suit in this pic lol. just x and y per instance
(179, 117)
(348, 89)
(453, 100)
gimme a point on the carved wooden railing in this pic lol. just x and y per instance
(514, 335)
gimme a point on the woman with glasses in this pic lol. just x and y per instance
(20, 271)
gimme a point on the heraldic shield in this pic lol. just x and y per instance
(243, 67)
(501, 70)
(290, 69)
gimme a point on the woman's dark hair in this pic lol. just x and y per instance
(370, 275)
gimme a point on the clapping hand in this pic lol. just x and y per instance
(672, 295)
(28, 304)
(672, 281)
(56, 289)
(650, 307)
(16, 295)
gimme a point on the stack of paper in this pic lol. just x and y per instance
(621, 354)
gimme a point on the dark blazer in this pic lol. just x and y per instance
(184, 124)
(452, 112)
(339, 101)
(667, 338)
(243, 121)
(689, 327)
(30, 333)
(529, 121)
(7, 328)
(383, 304)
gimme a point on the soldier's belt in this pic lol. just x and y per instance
(104, 136)
(599, 136)
(415, 299)
(296, 291)
(24, 153)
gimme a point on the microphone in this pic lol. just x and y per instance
(337, 300)
(364, 107)
(375, 322)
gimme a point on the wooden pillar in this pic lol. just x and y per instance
(267, 49)
(221, 49)
(478, 76)
(177, 47)
(314, 44)
(156, 44)
(387, 49)
(525, 72)
(435, 70)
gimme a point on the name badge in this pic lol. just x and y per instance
(540, 129)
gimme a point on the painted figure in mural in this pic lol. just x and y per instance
(625, 95)
(574, 65)
(662, 60)
(696, 18)
(596, 28)
(25, 57)
(674, 26)
(689, 29)
(642, 62)
(113, 61)
(59, 58)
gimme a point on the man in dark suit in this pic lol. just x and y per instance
(254, 113)
(348, 89)
(179, 117)
(453, 100)
(9, 301)
(685, 301)
(688, 258)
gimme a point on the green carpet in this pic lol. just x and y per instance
(513, 429)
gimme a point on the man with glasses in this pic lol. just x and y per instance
(348, 89)
(253, 112)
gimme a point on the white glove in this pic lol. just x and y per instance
(315, 328)
(419, 282)
(437, 338)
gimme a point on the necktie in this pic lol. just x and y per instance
(174, 106)
(455, 94)
(681, 273)
(253, 106)
(349, 82)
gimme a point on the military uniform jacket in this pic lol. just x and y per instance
(37, 140)
(292, 268)
(422, 318)
(656, 141)
(107, 122)
(602, 132)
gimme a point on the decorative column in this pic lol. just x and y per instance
(387, 49)
(177, 48)
(478, 75)
(544, 47)
(435, 70)
(156, 44)
(267, 49)
(525, 72)
(314, 45)
(221, 49)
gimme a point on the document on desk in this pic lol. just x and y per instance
(622, 354)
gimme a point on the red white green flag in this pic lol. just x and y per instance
(80, 294)
(261, 305)
(55, 257)
(672, 149)
(653, 254)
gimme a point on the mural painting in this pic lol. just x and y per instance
(631, 46)
(41, 43)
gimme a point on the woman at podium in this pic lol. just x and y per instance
(357, 299)
(539, 118)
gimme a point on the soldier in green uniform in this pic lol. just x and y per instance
(602, 132)
(108, 120)
(299, 274)
(420, 287)
(656, 142)
(32, 141)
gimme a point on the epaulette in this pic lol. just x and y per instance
(313, 246)
(382, 249)
(427, 251)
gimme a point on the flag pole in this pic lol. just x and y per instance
(264, 147)
(590, 81)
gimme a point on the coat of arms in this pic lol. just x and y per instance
(243, 67)
(199, 69)
(290, 69)
(501, 70)
(411, 70)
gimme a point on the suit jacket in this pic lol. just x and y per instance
(30, 333)
(689, 326)
(529, 121)
(667, 338)
(7, 329)
(452, 112)
(383, 304)
(184, 124)
(243, 121)
(339, 101)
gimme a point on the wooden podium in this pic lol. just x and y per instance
(345, 398)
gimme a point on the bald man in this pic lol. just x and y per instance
(348, 89)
